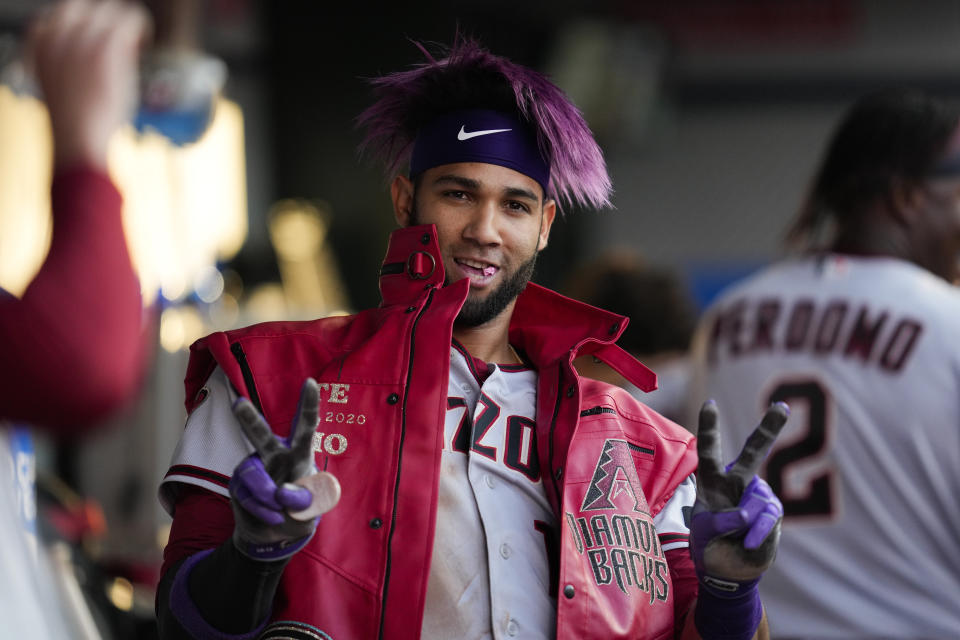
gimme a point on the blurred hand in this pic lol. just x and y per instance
(736, 520)
(84, 57)
(277, 496)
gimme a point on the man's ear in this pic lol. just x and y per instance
(401, 192)
(546, 222)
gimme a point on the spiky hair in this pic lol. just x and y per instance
(470, 77)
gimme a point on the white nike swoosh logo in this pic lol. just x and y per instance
(463, 135)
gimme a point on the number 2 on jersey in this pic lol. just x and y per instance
(816, 498)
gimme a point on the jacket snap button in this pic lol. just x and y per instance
(569, 591)
(425, 238)
(411, 309)
(570, 391)
(376, 523)
(613, 328)
(393, 398)
(559, 473)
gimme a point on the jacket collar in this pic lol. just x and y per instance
(545, 324)
(548, 325)
(412, 265)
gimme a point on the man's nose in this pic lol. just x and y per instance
(482, 227)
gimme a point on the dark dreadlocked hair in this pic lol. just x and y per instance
(886, 137)
(470, 77)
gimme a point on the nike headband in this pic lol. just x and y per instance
(479, 135)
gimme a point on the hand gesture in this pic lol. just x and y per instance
(277, 495)
(84, 56)
(735, 527)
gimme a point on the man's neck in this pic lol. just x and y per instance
(878, 235)
(489, 341)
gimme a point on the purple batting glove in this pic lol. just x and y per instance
(253, 488)
(735, 527)
(261, 487)
(736, 519)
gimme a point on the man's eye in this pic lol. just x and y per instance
(518, 206)
(459, 195)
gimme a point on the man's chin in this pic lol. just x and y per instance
(474, 313)
(486, 303)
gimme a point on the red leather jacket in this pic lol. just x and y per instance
(383, 378)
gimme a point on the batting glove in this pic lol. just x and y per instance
(277, 495)
(735, 527)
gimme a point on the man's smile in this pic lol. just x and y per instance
(479, 272)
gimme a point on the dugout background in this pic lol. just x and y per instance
(712, 115)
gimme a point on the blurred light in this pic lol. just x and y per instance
(209, 284)
(25, 166)
(184, 209)
(120, 593)
(179, 328)
(311, 281)
(173, 288)
(266, 302)
(225, 313)
(171, 330)
(296, 229)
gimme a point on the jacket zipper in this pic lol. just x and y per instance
(396, 486)
(553, 427)
(241, 357)
(595, 411)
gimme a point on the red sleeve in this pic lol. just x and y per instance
(684, 578)
(201, 520)
(73, 346)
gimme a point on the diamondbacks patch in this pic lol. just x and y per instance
(620, 538)
(615, 483)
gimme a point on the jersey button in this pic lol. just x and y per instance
(569, 591)
(505, 551)
(488, 480)
(512, 628)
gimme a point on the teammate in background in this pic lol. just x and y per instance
(470, 455)
(71, 346)
(860, 335)
(662, 317)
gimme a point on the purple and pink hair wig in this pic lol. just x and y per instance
(470, 77)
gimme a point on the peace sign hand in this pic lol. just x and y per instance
(736, 520)
(277, 495)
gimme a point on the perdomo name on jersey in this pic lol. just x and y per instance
(852, 330)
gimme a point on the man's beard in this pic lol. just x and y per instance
(477, 312)
(474, 313)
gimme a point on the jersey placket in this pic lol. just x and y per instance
(510, 504)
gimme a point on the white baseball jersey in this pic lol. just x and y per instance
(29, 603)
(866, 351)
(490, 573)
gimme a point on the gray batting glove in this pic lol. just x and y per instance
(277, 495)
(735, 526)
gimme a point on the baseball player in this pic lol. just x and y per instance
(482, 489)
(860, 336)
